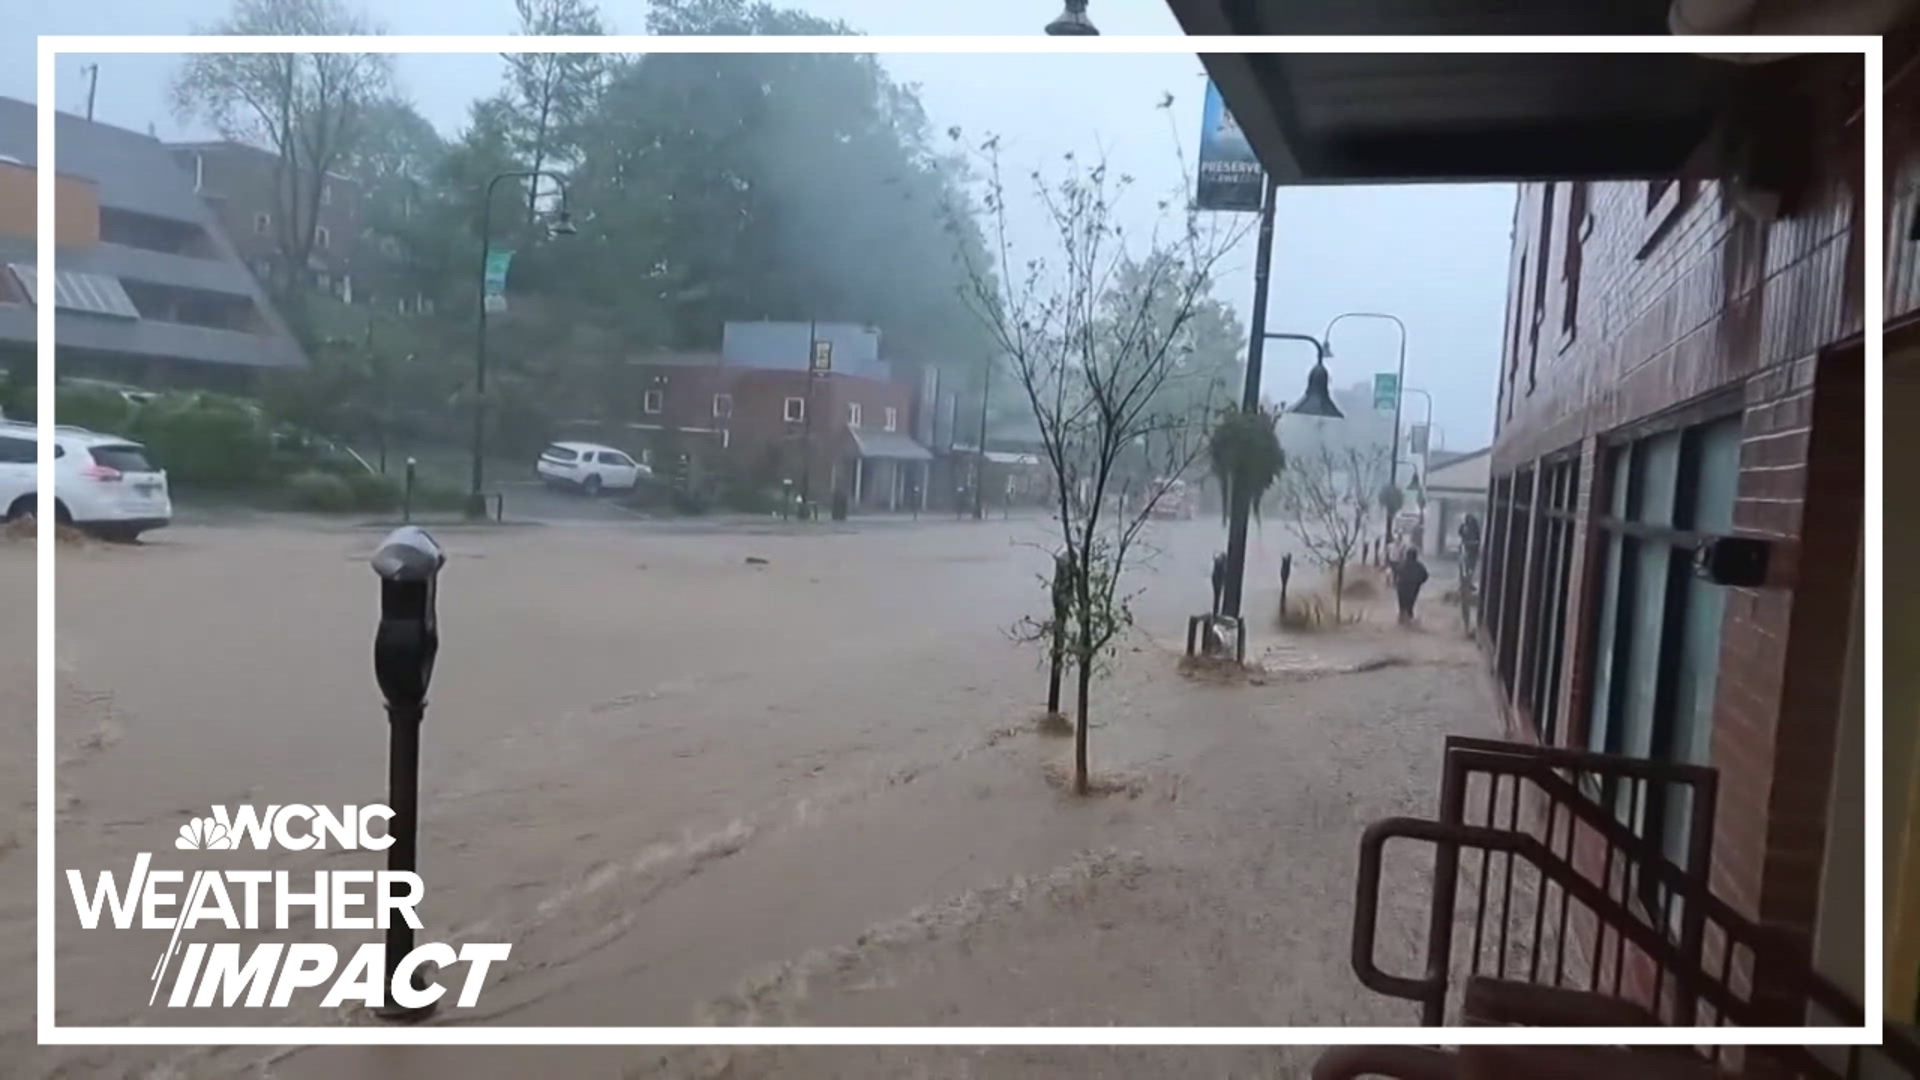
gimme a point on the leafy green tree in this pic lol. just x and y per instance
(550, 95)
(309, 109)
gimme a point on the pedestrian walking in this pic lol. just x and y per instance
(1470, 540)
(1409, 574)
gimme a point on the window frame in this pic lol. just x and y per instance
(1572, 260)
(1540, 270)
(853, 414)
(794, 409)
(891, 419)
(323, 238)
(1540, 672)
(653, 401)
(1617, 597)
(262, 222)
(723, 406)
(1666, 200)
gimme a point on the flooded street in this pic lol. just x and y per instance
(694, 789)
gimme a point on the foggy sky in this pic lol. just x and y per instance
(1434, 256)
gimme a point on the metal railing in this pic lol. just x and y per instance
(1580, 915)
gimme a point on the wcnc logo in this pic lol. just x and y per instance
(295, 827)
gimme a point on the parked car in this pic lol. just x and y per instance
(103, 484)
(590, 467)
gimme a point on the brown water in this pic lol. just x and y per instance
(689, 789)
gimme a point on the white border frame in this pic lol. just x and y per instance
(51, 1033)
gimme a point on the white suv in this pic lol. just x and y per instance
(590, 467)
(102, 483)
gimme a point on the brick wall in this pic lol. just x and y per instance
(240, 183)
(1676, 297)
(758, 419)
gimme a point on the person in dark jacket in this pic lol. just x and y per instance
(1409, 574)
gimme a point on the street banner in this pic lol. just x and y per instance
(1230, 176)
(1386, 391)
(822, 357)
(494, 292)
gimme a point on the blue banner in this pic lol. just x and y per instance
(1230, 176)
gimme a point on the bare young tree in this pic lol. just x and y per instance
(309, 109)
(1092, 328)
(552, 93)
(1328, 495)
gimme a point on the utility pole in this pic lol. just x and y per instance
(1239, 508)
(980, 469)
(806, 429)
(93, 85)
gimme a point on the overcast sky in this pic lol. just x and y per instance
(1435, 256)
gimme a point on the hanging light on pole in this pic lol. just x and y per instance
(1316, 402)
(1073, 22)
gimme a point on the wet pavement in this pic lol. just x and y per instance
(694, 789)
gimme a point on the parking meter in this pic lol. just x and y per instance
(404, 647)
(408, 562)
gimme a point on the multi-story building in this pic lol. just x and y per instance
(149, 287)
(755, 407)
(1674, 561)
(243, 185)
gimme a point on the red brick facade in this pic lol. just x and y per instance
(1636, 307)
(676, 401)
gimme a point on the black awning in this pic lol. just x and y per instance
(1495, 117)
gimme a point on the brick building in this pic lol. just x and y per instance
(1680, 365)
(242, 183)
(755, 420)
(1683, 363)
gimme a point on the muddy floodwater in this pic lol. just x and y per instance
(734, 775)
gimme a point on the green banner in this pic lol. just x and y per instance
(496, 279)
(1386, 391)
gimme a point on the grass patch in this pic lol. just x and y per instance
(1312, 613)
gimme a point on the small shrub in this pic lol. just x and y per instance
(750, 500)
(204, 440)
(373, 492)
(1361, 586)
(95, 407)
(1311, 613)
(690, 501)
(320, 492)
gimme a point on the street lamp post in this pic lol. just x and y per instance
(1399, 392)
(1315, 402)
(562, 226)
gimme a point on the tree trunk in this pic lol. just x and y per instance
(1053, 673)
(1339, 587)
(1080, 786)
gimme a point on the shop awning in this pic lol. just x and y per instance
(1362, 118)
(888, 445)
